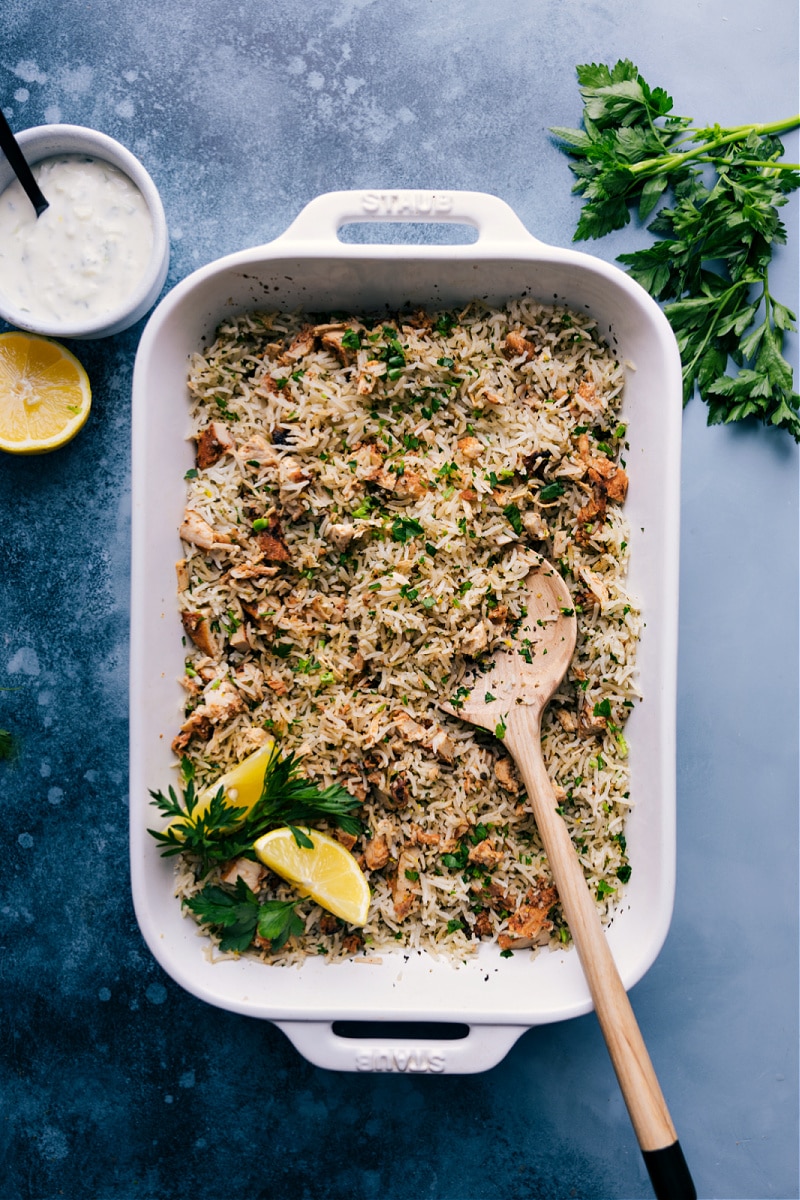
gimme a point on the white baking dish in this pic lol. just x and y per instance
(492, 1000)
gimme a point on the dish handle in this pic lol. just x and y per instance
(322, 218)
(401, 1048)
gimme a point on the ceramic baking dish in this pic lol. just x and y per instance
(404, 1013)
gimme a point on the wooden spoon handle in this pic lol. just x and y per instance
(637, 1078)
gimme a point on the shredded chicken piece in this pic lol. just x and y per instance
(291, 470)
(376, 853)
(340, 535)
(475, 640)
(443, 745)
(500, 900)
(299, 347)
(403, 892)
(609, 478)
(617, 486)
(272, 543)
(198, 532)
(518, 345)
(382, 478)
(591, 723)
(504, 773)
(251, 873)
(595, 585)
(182, 574)
(399, 790)
(239, 640)
(253, 570)
(370, 373)
(482, 927)
(409, 729)
(590, 516)
(331, 337)
(198, 628)
(251, 739)
(534, 525)
(422, 838)
(221, 703)
(588, 399)
(529, 920)
(470, 447)
(214, 442)
(486, 854)
(257, 449)
(410, 484)
(566, 719)
(197, 725)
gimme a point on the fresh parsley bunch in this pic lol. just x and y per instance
(222, 831)
(722, 189)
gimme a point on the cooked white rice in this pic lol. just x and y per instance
(375, 621)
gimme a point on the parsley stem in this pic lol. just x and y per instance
(759, 163)
(669, 162)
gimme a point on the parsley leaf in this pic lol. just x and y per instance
(512, 514)
(236, 916)
(406, 528)
(721, 191)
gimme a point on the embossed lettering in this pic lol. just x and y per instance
(401, 1061)
(412, 204)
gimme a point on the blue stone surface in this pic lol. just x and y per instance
(114, 1082)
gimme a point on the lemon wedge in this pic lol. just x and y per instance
(327, 873)
(45, 395)
(242, 785)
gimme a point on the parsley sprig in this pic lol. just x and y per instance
(236, 915)
(223, 831)
(722, 189)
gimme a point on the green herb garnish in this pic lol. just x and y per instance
(223, 831)
(551, 491)
(724, 187)
(237, 916)
(512, 514)
(405, 528)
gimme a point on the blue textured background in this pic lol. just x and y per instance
(114, 1082)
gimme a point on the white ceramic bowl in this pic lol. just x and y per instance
(47, 141)
(492, 1000)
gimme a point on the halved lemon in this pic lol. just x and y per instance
(327, 873)
(242, 785)
(45, 395)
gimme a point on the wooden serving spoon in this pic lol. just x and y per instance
(509, 699)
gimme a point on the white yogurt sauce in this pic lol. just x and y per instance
(86, 253)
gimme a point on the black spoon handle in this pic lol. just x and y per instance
(10, 147)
